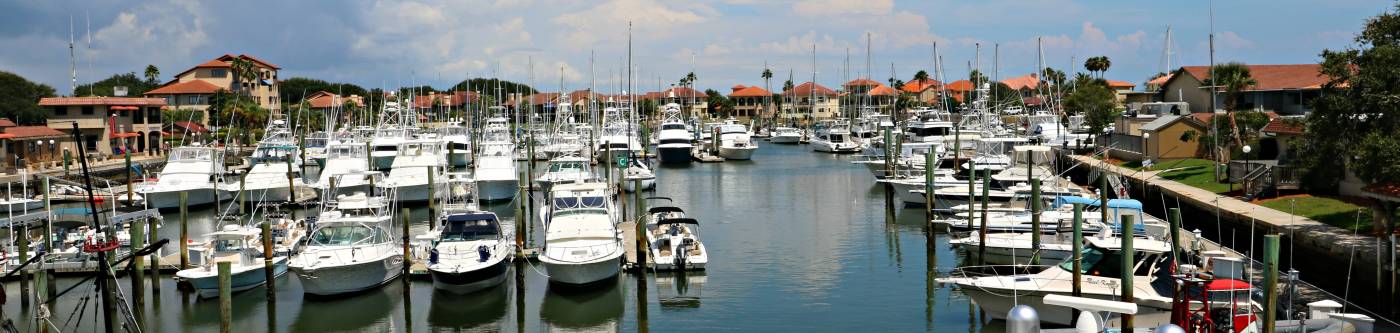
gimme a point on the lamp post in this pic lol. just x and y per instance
(1145, 136)
(1247, 169)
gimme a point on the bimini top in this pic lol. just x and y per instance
(684, 220)
(471, 217)
(664, 209)
(1125, 203)
(1112, 203)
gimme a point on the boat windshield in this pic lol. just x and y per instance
(227, 245)
(463, 231)
(672, 127)
(579, 202)
(190, 154)
(730, 128)
(348, 235)
(1096, 262)
(838, 138)
(566, 166)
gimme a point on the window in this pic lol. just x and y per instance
(153, 117)
(87, 109)
(218, 72)
(195, 99)
(60, 110)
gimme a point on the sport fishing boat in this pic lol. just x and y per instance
(195, 170)
(734, 142)
(495, 162)
(240, 247)
(457, 141)
(565, 169)
(392, 131)
(418, 162)
(343, 158)
(674, 141)
(352, 246)
(834, 136)
(582, 243)
(267, 180)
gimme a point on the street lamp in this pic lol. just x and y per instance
(1247, 169)
(1145, 136)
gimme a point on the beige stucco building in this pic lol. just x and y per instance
(195, 87)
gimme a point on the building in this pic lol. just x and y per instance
(693, 102)
(1121, 90)
(870, 93)
(924, 91)
(1173, 137)
(30, 147)
(809, 101)
(1025, 84)
(751, 102)
(108, 123)
(1285, 89)
(959, 90)
(194, 88)
(325, 101)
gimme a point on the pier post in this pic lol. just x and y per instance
(369, 159)
(1103, 197)
(242, 197)
(1126, 283)
(291, 186)
(269, 268)
(889, 174)
(1174, 222)
(153, 235)
(225, 298)
(23, 242)
(982, 241)
(1270, 281)
(432, 197)
(520, 219)
(640, 224)
(184, 230)
(1035, 221)
(1077, 255)
(929, 166)
(407, 256)
(138, 275)
(129, 191)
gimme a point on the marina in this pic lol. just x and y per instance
(1014, 193)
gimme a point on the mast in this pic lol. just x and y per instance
(812, 95)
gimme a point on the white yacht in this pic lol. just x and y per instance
(240, 247)
(674, 142)
(785, 135)
(582, 243)
(495, 171)
(618, 137)
(343, 158)
(352, 247)
(315, 146)
(195, 170)
(734, 142)
(457, 141)
(417, 161)
(392, 131)
(565, 169)
(675, 242)
(267, 179)
(470, 252)
(834, 136)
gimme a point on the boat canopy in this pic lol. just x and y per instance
(664, 209)
(683, 220)
(1070, 200)
(471, 217)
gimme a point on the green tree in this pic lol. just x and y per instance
(1097, 65)
(295, 88)
(788, 85)
(1095, 101)
(497, 89)
(977, 78)
(1053, 76)
(135, 86)
(1234, 77)
(921, 76)
(152, 75)
(1354, 122)
(19, 99)
(716, 103)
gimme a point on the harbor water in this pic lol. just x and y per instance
(798, 241)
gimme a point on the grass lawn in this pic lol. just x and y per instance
(1332, 211)
(1193, 172)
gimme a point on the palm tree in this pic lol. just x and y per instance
(152, 74)
(1104, 64)
(921, 76)
(767, 75)
(1235, 78)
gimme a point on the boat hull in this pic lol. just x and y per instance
(496, 190)
(785, 139)
(997, 304)
(630, 186)
(737, 153)
(417, 193)
(343, 279)
(582, 273)
(272, 194)
(171, 199)
(674, 155)
(470, 281)
(248, 277)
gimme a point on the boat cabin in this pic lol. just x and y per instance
(470, 227)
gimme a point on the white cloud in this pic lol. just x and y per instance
(842, 7)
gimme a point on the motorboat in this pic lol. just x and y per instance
(391, 132)
(834, 136)
(582, 243)
(905, 186)
(734, 142)
(638, 172)
(315, 146)
(674, 141)
(194, 170)
(275, 170)
(495, 170)
(240, 247)
(457, 142)
(565, 169)
(674, 239)
(417, 170)
(352, 246)
(470, 252)
(785, 135)
(343, 158)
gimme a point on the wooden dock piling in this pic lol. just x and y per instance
(225, 298)
(1270, 282)
(982, 236)
(184, 230)
(1127, 265)
(1035, 220)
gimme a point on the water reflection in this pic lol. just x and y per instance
(596, 308)
(369, 311)
(680, 290)
(479, 311)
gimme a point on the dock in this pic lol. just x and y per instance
(629, 245)
(702, 156)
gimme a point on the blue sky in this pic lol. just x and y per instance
(394, 43)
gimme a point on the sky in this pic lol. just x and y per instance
(726, 42)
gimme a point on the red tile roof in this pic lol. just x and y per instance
(882, 90)
(861, 83)
(750, 91)
(230, 57)
(454, 99)
(22, 132)
(187, 87)
(918, 86)
(960, 85)
(1120, 84)
(62, 101)
(808, 88)
(326, 100)
(1203, 117)
(1283, 126)
(216, 63)
(5, 122)
(1273, 77)
(1160, 80)
(191, 126)
(1029, 81)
